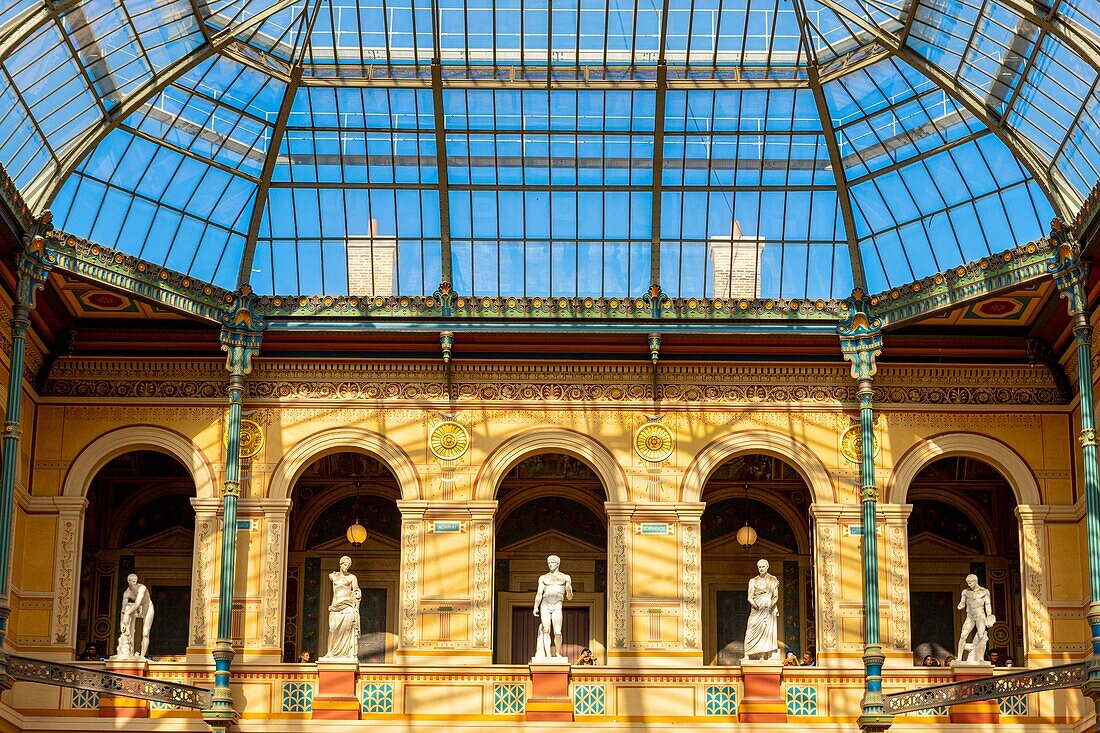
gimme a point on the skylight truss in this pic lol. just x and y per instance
(721, 148)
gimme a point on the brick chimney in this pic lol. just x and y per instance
(736, 263)
(371, 262)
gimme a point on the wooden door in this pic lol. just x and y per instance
(575, 633)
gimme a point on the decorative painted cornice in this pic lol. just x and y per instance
(137, 277)
(965, 283)
(687, 386)
(1089, 212)
(13, 199)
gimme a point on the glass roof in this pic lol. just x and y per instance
(723, 148)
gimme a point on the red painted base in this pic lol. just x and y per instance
(335, 698)
(763, 701)
(983, 712)
(116, 706)
(549, 693)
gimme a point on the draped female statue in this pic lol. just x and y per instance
(343, 614)
(762, 634)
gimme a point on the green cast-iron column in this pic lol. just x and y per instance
(32, 268)
(242, 331)
(1071, 276)
(861, 342)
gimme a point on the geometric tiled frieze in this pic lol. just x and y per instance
(720, 700)
(297, 697)
(589, 700)
(509, 699)
(801, 700)
(377, 697)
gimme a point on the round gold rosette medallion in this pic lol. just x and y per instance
(653, 442)
(251, 440)
(851, 444)
(448, 440)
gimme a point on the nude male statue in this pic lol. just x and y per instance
(979, 617)
(137, 605)
(554, 588)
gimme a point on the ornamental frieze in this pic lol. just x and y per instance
(679, 385)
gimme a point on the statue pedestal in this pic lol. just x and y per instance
(335, 698)
(763, 701)
(117, 706)
(984, 711)
(550, 690)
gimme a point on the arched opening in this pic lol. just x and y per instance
(332, 493)
(773, 498)
(550, 504)
(139, 520)
(963, 522)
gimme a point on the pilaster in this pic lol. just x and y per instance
(66, 589)
(655, 589)
(1034, 582)
(446, 583)
(204, 568)
(894, 519)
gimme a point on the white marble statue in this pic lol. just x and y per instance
(979, 617)
(343, 615)
(555, 588)
(136, 619)
(762, 633)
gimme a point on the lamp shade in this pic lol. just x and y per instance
(357, 534)
(746, 536)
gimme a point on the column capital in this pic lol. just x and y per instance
(210, 506)
(34, 263)
(419, 509)
(242, 332)
(1069, 270)
(680, 511)
(860, 335)
(894, 512)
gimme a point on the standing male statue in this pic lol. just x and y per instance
(762, 633)
(979, 617)
(137, 613)
(554, 588)
(343, 614)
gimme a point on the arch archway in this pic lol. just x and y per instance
(108, 446)
(989, 450)
(339, 440)
(764, 442)
(551, 440)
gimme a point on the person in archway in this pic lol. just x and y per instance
(555, 587)
(137, 607)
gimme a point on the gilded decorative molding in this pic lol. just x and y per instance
(1038, 620)
(974, 280)
(686, 385)
(619, 591)
(483, 584)
(66, 558)
(899, 587)
(273, 580)
(1088, 213)
(13, 199)
(251, 438)
(828, 624)
(691, 583)
(200, 572)
(851, 443)
(410, 582)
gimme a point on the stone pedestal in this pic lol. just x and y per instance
(550, 691)
(335, 698)
(117, 706)
(985, 711)
(763, 701)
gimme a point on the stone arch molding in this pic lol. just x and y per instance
(110, 445)
(992, 451)
(551, 440)
(808, 465)
(337, 440)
